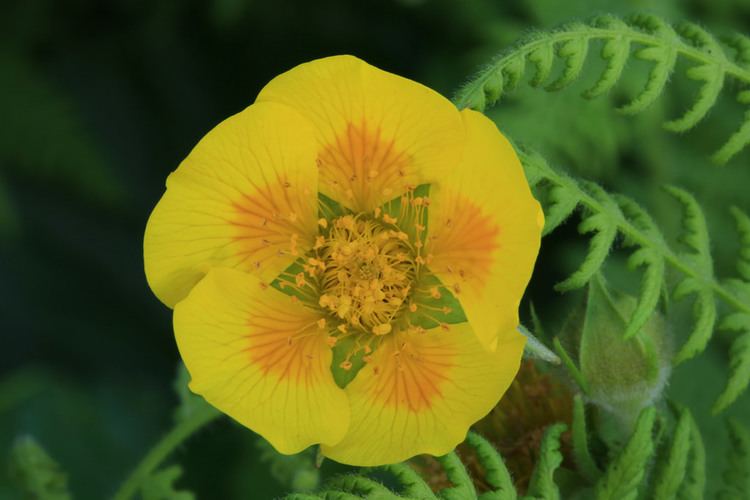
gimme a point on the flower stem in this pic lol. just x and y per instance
(161, 450)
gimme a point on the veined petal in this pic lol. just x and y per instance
(245, 197)
(259, 356)
(484, 230)
(421, 392)
(378, 133)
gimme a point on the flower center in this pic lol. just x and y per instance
(367, 272)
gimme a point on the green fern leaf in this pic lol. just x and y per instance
(736, 143)
(671, 472)
(695, 237)
(664, 59)
(739, 361)
(694, 483)
(496, 474)
(542, 485)
(626, 472)
(741, 45)
(160, 485)
(360, 486)
(710, 74)
(542, 59)
(585, 462)
(457, 474)
(638, 230)
(601, 242)
(648, 258)
(615, 53)
(36, 473)
(651, 40)
(573, 52)
(413, 484)
(736, 484)
(743, 228)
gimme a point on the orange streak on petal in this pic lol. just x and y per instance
(362, 168)
(463, 242)
(410, 374)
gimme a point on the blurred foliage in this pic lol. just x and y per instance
(101, 100)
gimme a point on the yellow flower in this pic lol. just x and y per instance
(345, 259)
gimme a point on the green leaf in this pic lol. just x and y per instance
(694, 483)
(736, 484)
(672, 469)
(542, 485)
(581, 454)
(496, 473)
(626, 472)
(37, 475)
(601, 242)
(656, 42)
(160, 485)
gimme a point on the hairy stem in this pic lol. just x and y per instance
(161, 450)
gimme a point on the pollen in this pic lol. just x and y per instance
(382, 329)
(366, 271)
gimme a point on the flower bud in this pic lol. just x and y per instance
(622, 376)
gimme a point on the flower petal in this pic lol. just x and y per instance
(259, 357)
(484, 230)
(245, 197)
(421, 392)
(378, 132)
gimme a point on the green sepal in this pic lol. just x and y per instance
(621, 375)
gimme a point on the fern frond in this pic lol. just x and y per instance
(673, 468)
(695, 237)
(359, 486)
(601, 242)
(648, 258)
(739, 361)
(743, 228)
(463, 487)
(611, 216)
(643, 37)
(736, 484)
(625, 474)
(615, 53)
(496, 473)
(413, 484)
(695, 476)
(542, 483)
(585, 462)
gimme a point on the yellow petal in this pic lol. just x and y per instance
(378, 133)
(260, 357)
(484, 230)
(420, 392)
(245, 197)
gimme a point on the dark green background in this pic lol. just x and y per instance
(99, 101)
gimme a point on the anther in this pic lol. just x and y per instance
(300, 279)
(381, 329)
(346, 365)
